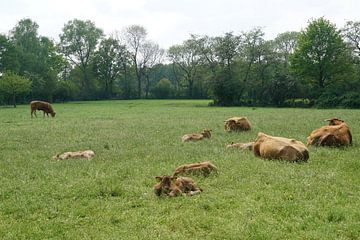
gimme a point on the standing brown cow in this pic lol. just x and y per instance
(43, 106)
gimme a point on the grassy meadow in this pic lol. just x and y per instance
(111, 196)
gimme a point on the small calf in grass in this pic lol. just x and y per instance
(204, 168)
(175, 186)
(243, 146)
(79, 154)
(206, 133)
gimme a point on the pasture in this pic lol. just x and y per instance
(111, 196)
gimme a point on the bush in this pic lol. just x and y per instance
(163, 89)
(298, 102)
(350, 100)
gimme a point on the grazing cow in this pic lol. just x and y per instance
(237, 124)
(175, 186)
(79, 154)
(206, 133)
(270, 147)
(336, 134)
(243, 146)
(43, 106)
(204, 168)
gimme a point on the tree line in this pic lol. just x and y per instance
(319, 66)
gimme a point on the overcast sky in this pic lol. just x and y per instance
(169, 22)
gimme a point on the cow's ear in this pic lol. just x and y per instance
(158, 178)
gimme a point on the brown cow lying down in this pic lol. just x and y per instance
(206, 133)
(243, 146)
(43, 106)
(336, 134)
(270, 147)
(175, 186)
(237, 124)
(204, 168)
(79, 154)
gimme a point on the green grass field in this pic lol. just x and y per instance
(111, 196)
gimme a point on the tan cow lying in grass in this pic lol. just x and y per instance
(204, 168)
(79, 154)
(336, 134)
(243, 146)
(271, 147)
(43, 106)
(175, 186)
(206, 133)
(237, 124)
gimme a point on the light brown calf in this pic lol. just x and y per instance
(79, 154)
(336, 134)
(243, 146)
(175, 186)
(237, 124)
(43, 106)
(204, 168)
(271, 147)
(206, 133)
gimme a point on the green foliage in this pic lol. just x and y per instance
(163, 89)
(111, 195)
(109, 62)
(9, 56)
(321, 55)
(78, 43)
(13, 85)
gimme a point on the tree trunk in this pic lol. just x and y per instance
(14, 100)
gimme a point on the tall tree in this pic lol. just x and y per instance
(152, 55)
(321, 55)
(9, 57)
(351, 32)
(284, 45)
(110, 61)
(188, 57)
(135, 37)
(78, 43)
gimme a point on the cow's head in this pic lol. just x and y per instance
(165, 183)
(334, 121)
(53, 114)
(206, 132)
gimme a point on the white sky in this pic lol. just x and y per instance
(170, 22)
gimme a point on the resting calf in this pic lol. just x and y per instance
(206, 133)
(79, 154)
(175, 186)
(204, 167)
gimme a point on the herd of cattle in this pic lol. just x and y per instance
(336, 134)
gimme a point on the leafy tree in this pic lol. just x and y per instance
(135, 37)
(78, 43)
(284, 45)
(321, 56)
(163, 89)
(110, 61)
(14, 85)
(187, 56)
(9, 57)
(351, 33)
(152, 55)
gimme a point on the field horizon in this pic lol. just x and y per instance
(111, 196)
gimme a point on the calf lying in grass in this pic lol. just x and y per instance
(79, 154)
(204, 168)
(243, 146)
(175, 186)
(206, 133)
